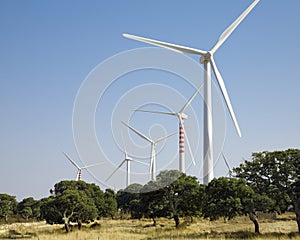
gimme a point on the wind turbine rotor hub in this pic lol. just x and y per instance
(205, 58)
(183, 116)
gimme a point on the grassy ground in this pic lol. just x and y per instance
(240, 228)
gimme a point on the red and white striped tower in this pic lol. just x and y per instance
(79, 174)
(181, 148)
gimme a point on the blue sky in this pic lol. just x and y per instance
(47, 48)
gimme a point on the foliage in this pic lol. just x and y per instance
(105, 202)
(274, 174)
(110, 204)
(28, 208)
(71, 205)
(77, 201)
(229, 198)
(152, 204)
(225, 198)
(8, 206)
(128, 200)
(173, 194)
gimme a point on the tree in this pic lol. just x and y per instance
(152, 203)
(173, 194)
(8, 206)
(275, 175)
(74, 201)
(28, 208)
(228, 198)
(70, 205)
(166, 181)
(110, 203)
(91, 190)
(296, 200)
(49, 211)
(191, 195)
(129, 200)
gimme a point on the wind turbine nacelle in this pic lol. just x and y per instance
(184, 116)
(205, 58)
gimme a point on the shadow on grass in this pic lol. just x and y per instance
(227, 235)
(13, 234)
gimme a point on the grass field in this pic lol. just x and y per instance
(283, 227)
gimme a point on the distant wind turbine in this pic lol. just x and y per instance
(208, 60)
(182, 133)
(126, 160)
(153, 143)
(228, 166)
(79, 169)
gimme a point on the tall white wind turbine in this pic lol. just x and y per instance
(153, 143)
(79, 169)
(182, 133)
(208, 61)
(126, 160)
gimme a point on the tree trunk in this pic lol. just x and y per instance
(176, 219)
(254, 220)
(296, 206)
(79, 224)
(67, 227)
(67, 221)
(154, 222)
(298, 220)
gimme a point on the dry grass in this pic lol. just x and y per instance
(239, 228)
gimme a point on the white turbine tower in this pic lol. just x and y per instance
(209, 62)
(182, 133)
(153, 143)
(126, 160)
(228, 166)
(79, 169)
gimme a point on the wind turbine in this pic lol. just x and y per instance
(126, 160)
(208, 61)
(153, 143)
(79, 169)
(228, 166)
(182, 133)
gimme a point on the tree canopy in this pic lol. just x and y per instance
(8, 205)
(274, 174)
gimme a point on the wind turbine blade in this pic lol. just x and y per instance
(138, 133)
(226, 162)
(124, 147)
(167, 136)
(191, 99)
(232, 27)
(187, 141)
(70, 159)
(176, 48)
(120, 165)
(167, 113)
(225, 94)
(140, 162)
(152, 157)
(92, 165)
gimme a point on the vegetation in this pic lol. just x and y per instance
(268, 183)
(77, 201)
(283, 228)
(229, 198)
(275, 175)
(8, 206)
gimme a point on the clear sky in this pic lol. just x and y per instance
(47, 48)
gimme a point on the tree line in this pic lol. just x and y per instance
(269, 182)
